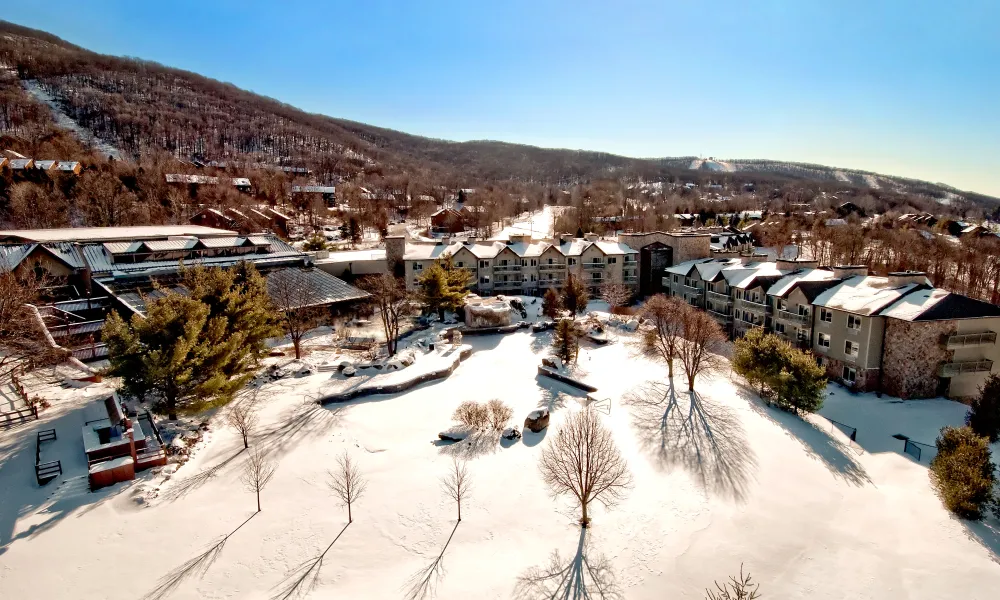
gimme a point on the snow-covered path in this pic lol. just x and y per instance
(537, 224)
(66, 122)
(719, 482)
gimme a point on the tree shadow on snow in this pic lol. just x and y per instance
(986, 533)
(198, 565)
(303, 578)
(183, 487)
(306, 420)
(689, 431)
(582, 575)
(476, 444)
(423, 583)
(835, 456)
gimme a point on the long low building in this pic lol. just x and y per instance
(894, 333)
(98, 270)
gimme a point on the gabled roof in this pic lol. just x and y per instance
(45, 165)
(939, 305)
(314, 189)
(685, 267)
(784, 286)
(21, 163)
(614, 248)
(711, 269)
(865, 294)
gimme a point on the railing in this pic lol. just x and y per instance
(507, 284)
(964, 340)
(968, 366)
(720, 316)
(695, 288)
(552, 267)
(550, 282)
(90, 352)
(506, 268)
(59, 331)
(751, 305)
(720, 297)
(791, 317)
(630, 279)
(593, 265)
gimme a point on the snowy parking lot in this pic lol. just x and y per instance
(720, 480)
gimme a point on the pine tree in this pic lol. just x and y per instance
(963, 473)
(575, 296)
(443, 287)
(759, 358)
(801, 382)
(551, 304)
(566, 341)
(984, 414)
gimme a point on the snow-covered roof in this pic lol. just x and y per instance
(195, 179)
(109, 234)
(20, 163)
(864, 294)
(785, 284)
(574, 247)
(685, 267)
(614, 248)
(67, 165)
(936, 305)
(45, 165)
(708, 270)
(241, 181)
(745, 277)
(314, 189)
(525, 249)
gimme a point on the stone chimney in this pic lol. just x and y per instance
(845, 271)
(901, 278)
(445, 240)
(786, 264)
(471, 240)
(519, 238)
(395, 247)
(590, 237)
(565, 238)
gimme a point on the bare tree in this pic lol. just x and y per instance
(393, 302)
(457, 484)
(242, 417)
(347, 482)
(22, 339)
(299, 303)
(257, 472)
(736, 589)
(662, 339)
(583, 460)
(703, 339)
(616, 295)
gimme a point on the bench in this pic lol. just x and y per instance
(46, 435)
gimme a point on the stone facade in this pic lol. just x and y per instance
(866, 380)
(687, 246)
(395, 247)
(913, 352)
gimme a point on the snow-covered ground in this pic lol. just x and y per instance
(720, 480)
(537, 224)
(66, 122)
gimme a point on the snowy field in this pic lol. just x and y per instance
(718, 483)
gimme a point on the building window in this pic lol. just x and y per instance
(503, 262)
(418, 266)
(571, 261)
(801, 335)
(533, 278)
(484, 264)
(534, 262)
(460, 264)
(824, 340)
(782, 305)
(484, 280)
(853, 322)
(595, 276)
(779, 327)
(676, 278)
(612, 260)
(851, 348)
(550, 261)
(850, 375)
(803, 310)
(826, 315)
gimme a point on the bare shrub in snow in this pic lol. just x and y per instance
(457, 484)
(473, 415)
(582, 460)
(742, 588)
(347, 482)
(499, 414)
(257, 472)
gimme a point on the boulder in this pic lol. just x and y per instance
(275, 352)
(453, 436)
(348, 371)
(511, 433)
(632, 324)
(537, 420)
(552, 362)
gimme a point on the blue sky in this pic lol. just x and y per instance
(907, 88)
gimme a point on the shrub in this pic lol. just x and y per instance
(473, 415)
(963, 473)
(984, 414)
(499, 414)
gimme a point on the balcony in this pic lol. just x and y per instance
(721, 317)
(593, 265)
(790, 317)
(552, 267)
(547, 283)
(969, 340)
(752, 306)
(506, 285)
(506, 268)
(630, 280)
(693, 289)
(726, 298)
(968, 366)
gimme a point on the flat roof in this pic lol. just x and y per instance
(110, 234)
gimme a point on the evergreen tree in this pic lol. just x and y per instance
(759, 358)
(801, 382)
(963, 473)
(984, 414)
(566, 341)
(443, 287)
(575, 296)
(551, 304)
(774, 367)
(314, 243)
